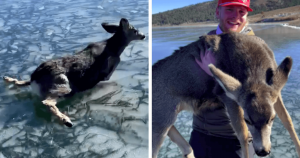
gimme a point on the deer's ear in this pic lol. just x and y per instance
(282, 73)
(110, 28)
(124, 24)
(229, 84)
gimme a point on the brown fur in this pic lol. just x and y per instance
(247, 81)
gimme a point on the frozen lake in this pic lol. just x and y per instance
(111, 120)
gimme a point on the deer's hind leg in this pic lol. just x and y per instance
(183, 145)
(16, 81)
(59, 88)
(163, 125)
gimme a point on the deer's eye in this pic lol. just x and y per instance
(271, 120)
(248, 122)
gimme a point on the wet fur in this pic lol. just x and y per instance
(83, 70)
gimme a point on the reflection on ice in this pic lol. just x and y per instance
(110, 120)
(3, 51)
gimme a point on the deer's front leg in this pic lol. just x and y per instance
(236, 115)
(51, 104)
(286, 119)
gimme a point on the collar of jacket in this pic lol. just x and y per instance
(247, 31)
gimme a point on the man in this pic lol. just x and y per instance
(232, 15)
(212, 135)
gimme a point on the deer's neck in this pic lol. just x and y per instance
(116, 44)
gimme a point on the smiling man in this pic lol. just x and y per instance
(232, 16)
(212, 135)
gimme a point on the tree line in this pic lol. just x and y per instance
(203, 12)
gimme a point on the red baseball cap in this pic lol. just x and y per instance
(245, 3)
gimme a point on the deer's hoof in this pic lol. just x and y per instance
(68, 124)
(5, 78)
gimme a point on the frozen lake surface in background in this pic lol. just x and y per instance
(284, 41)
(110, 120)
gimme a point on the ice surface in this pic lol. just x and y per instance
(41, 8)
(133, 11)
(3, 51)
(14, 69)
(1, 155)
(1, 22)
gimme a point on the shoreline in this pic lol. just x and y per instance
(292, 24)
(216, 24)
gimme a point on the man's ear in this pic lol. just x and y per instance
(218, 12)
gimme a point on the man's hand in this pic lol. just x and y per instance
(207, 58)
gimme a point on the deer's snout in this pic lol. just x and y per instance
(262, 152)
(141, 35)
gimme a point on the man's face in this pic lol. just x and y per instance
(232, 18)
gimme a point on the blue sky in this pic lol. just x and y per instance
(164, 5)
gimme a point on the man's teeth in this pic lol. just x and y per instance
(233, 23)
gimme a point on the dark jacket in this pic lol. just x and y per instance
(216, 122)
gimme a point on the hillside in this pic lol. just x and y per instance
(286, 14)
(205, 12)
